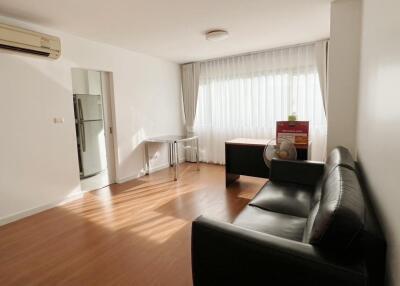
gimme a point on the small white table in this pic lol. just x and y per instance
(173, 147)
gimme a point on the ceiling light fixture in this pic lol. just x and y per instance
(217, 35)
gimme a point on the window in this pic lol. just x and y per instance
(245, 96)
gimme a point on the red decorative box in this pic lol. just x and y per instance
(294, 131)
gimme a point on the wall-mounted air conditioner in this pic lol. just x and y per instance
(26, 41)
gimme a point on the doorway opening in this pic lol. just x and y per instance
(93, 101)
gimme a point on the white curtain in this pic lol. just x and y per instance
(321, 58)
(190, 86)
(244, 96)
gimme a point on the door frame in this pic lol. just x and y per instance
(107, 87)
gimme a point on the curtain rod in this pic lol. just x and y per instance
(259, 52)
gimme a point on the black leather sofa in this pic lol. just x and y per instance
(311, 224)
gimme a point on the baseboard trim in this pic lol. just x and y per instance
(142, 173)
(23, 214)
(71, 197)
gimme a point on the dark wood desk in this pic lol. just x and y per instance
(244, 156)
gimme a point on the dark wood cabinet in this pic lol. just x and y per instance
(244, 156)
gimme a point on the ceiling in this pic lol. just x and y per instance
(174, 29)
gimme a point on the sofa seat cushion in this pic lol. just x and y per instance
(285, 198)
(282, 225)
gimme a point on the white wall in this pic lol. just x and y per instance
(344, 54)
(39, 163)
(378, 134)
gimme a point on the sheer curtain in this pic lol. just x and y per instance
(190, 88)
(321, 57)
(244, 96)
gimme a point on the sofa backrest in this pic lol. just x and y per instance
(338, 213)
(339, 156)
(343, 216)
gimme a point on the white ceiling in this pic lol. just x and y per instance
(174, 29)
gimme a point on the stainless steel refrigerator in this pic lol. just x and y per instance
(89, 122)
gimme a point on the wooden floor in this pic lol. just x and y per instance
(137, 233)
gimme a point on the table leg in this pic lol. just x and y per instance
(197, 154)
(230, 178)
(146, 153)
(176, 150)
(169, 154)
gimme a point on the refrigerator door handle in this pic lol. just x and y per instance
(83, 136)
(81, 125)
(80, 111)
(76, 109)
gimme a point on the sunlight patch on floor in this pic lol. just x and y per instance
(160, 230)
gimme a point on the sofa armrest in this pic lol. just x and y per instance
(299, 172)
(225, 254)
